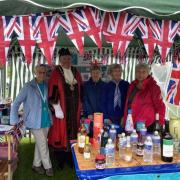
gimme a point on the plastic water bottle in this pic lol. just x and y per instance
(156, 144)
(143, 132)
(110, 153)
(122, 145)
(112, 133)
(148, 150)
(129, 123)
(134, 140)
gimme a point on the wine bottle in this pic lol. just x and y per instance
(81, 139)
(87, 149)
(167, 144)
(157, 125)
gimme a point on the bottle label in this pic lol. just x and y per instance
(134, 138)
(148, 147)
(82, 141)
(109, 150)
(129, 124)
(87, 155)
(122, 143)
(156, 141)
(140, 149)
(143, 132)
(139, 125)
(112, 135)
(167, 148)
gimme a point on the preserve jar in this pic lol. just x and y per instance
(100, 161)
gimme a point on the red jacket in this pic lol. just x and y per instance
(146, 103)
(58, 130)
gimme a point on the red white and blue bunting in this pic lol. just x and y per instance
(117, 28)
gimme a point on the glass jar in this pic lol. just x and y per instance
(100, 161)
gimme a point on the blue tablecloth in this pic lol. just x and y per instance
(154, 172)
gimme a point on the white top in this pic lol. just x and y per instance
(69, 77)
(157, 116)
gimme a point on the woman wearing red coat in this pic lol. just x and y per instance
(144, 99)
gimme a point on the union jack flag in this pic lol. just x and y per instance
(118, 29)
(45, 32)
(173, 90)
(8, 26)
(89, 19)
(25, 37)
(164, 32)
(74, 31)
(147, 37)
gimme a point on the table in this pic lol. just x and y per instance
(85, 169)
(9, 136)
(3, 169)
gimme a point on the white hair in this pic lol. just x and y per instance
(143, 66)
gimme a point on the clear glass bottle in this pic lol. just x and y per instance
(134, 140)
(156, 144)
(128, 151)
(122, 145)
(176, 141)
(87, 149)
(81, 139)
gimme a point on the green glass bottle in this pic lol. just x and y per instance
(167, 144)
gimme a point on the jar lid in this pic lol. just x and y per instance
(100, 157)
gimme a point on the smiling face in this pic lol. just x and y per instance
(141, 74)
(40, 73)
(65, 61)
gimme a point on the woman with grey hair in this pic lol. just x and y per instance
(37, 117)
(144, 99)
(115, 96)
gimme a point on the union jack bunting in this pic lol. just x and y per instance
(173, 90)
(118, 29)
(4, 44)
(25, 38)
(8, 26)
(147, 37)
(89, 20)
(74, 31)
(45, 31)
(164, 32)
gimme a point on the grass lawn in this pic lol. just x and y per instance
(24, 172)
